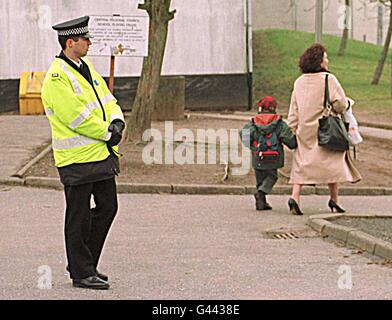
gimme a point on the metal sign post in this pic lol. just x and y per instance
(111, 76)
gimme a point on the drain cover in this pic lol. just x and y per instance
(285, 235)
(290, 234)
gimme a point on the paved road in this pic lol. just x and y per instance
(176, 247)
(188, 247)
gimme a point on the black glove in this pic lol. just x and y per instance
(116, 128)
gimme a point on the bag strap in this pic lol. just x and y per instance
(327, 101)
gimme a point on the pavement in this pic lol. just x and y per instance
(20, 136)
(181, 246)
(368, 130)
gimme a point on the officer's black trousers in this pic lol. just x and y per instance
(86, 228)
(266, 179)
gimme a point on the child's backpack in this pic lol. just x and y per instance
(266, 146)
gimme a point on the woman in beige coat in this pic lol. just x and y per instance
(313, 164)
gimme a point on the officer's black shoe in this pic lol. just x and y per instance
(104, 277)
(92, 282)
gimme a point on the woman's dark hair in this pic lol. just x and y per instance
(63, 41)
(311, 59)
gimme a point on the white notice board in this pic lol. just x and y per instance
(116, 35)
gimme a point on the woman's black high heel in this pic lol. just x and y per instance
(334, 206)
(294, 208)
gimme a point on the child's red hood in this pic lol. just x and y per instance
(264, 119)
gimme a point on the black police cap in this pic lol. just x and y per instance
(73, 28)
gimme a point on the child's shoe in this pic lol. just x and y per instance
(261, 202)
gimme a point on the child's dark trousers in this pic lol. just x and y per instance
(265, 180)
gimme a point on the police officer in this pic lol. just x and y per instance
(87, 126)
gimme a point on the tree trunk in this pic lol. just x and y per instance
(380, 23)
(140, 119)
(384, 54)
(343, 42)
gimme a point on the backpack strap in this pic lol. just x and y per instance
(254, 126)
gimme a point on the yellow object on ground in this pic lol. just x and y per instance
(30, 93)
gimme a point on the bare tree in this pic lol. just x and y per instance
(347, 23)
(384, 53)
(140, 119)
(380, 23)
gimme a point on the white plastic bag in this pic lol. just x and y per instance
(353, 131)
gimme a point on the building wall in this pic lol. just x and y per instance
(206, 36)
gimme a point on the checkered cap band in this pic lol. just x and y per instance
(73, 32)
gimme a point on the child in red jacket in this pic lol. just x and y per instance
(267, 134)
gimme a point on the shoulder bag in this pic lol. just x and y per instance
(332, 131)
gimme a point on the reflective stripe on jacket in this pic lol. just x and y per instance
(79, 121)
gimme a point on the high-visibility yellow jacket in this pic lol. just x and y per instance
(79, 120)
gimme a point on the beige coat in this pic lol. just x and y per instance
(313, 164)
